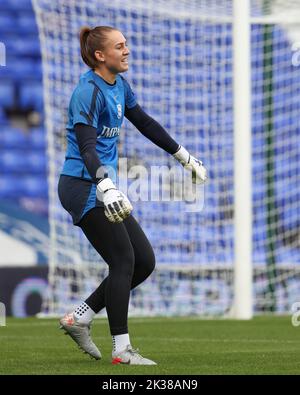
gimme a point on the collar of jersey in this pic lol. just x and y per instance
(102, 79)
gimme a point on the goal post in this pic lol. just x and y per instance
(223, 78)
(242, 304)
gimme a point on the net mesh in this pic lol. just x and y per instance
(181, 72)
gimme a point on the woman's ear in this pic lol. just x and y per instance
(99, 56)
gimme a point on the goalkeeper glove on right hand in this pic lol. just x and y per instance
(116, 205)
(199, 172)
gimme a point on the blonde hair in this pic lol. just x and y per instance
(92, 40)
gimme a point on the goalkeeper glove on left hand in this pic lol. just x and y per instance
(116, 205)
(199, 172)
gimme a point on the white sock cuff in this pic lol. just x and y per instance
(120, 342)
(84, 313)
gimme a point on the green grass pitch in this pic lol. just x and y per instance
(264, 345)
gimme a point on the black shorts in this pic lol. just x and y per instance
(77, 196)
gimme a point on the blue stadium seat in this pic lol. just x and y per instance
(36, 162)
(12, 162)
(7, 22)
(37, 138)
(19, 187)
(9, 187)
(27, 69)
(14, 186)
(20, 162)
(6, 6)
(27, 23)
(7, 94)
(13, 138)
(3, 118)
(28, 46)
(34, 186)
(31, 96)
(17, 5)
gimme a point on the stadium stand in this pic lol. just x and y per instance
(22, 150)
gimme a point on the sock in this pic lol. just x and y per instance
(120, 342)
(84, 313)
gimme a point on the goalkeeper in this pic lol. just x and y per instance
(87, 187)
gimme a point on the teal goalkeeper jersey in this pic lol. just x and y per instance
(97, 103)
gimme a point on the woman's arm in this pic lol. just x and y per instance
(87, 139)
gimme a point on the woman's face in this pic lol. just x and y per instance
(115, 55)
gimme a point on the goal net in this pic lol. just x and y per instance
(181, 70)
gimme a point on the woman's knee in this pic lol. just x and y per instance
(124, 263)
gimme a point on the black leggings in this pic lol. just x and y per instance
(129, 255)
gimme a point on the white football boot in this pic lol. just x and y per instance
(80, 333)
(130, 357)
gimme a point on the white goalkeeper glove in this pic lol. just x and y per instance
(199, 172)
(116, 205)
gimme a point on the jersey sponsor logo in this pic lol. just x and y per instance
(119, 108)
(109, 132)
